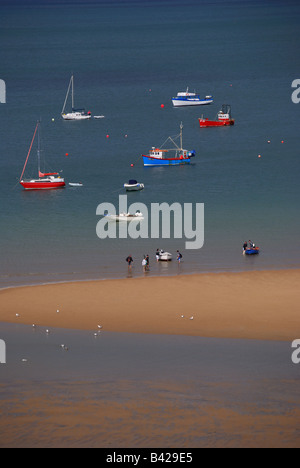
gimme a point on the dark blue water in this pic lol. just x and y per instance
(128, 59)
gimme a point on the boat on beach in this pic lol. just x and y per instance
(252, 251)
(75, 114)
(45, 181)
(133, 186)
(127, 217)
(163, 256)
(169, 157)
(190, 99)
(224, 118)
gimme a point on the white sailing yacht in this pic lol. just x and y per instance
(76, 114)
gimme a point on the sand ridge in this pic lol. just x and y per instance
(251, 305)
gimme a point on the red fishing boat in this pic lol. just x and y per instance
(45, 181)
(223, 118)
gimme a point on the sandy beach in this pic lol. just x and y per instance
(154, 390)
(249, 305)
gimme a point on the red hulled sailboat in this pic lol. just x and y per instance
(45, 181)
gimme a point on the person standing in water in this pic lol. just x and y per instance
(179, 256)
(129, 260)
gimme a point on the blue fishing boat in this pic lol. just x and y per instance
(169, 157)
(191, 99)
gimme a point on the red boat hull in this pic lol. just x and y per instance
(215, 123)
(42, 185)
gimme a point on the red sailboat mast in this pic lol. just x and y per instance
(36, 128)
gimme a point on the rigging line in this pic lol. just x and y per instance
(14, 187)
(119, 190)
(29, 150)
(138, 159)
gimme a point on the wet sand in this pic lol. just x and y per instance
(123, 390)
(251, 305)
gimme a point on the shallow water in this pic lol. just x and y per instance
(127, 60)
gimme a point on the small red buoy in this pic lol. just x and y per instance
(67, 154)
(107, 136)
(162, 106)
(282, 141)
(259, 155)
(132, 165)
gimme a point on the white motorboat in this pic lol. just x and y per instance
(164, 256)
(133, 186)
(126, 217)
(73, 184)
(75, 114)
(190, 99)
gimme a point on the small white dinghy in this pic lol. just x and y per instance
(126, 217)
(133, 186)
(163, 256)
(73, 184)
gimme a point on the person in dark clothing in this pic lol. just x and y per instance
(129, 260)
(179, 256)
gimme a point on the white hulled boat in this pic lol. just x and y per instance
(190, 99)
(163, 256)
(133, 186)
(126, 217)
(75, 114)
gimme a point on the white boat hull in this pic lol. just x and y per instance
(191, 102)
(76, 116)
(134, 188)
(165, 257)
(125, 217)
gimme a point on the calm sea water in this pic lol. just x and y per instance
(128, 59)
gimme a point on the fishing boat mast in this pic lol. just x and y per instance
(181, 127)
